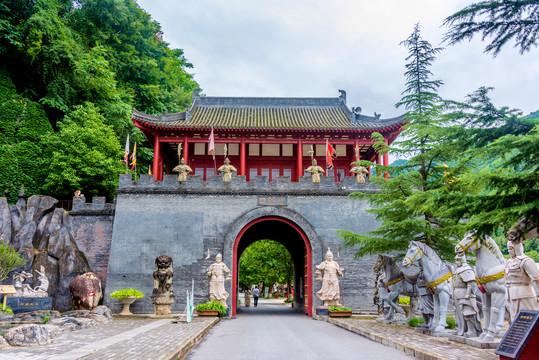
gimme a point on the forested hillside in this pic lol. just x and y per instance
(70, 74)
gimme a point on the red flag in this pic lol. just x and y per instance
(134, 157)
(329, 155)
(211, 148)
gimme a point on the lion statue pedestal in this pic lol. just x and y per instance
(163, 294)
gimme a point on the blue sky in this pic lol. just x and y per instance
(312, 48)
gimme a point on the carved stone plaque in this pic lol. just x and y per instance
(265, 200)
(518, 335)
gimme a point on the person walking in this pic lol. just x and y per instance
(256, 293)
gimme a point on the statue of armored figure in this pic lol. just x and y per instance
(426, 301)
(360, 172)
(216, 273)
(464, 296)
(227, 171)
(182, 170)
(315, 171)
(520, 271)
(329, 293)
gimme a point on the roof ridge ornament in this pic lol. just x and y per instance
(342, 96)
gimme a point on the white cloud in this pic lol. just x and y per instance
(314, 47)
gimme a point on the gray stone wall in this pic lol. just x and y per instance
(92, 227)
(186, 220)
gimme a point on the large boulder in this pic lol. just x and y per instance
(86, 291)
(37, 315)
(27, 335)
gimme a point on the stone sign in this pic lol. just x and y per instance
(517, 337)
(272, 200)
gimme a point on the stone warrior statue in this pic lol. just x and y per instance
(227, 171)
(520, 271)
(426, 301)
(216, 273)
(464, 296)
(163, 294)
(315, 171)
(360, 172)
(329, 293)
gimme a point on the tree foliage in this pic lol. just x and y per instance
(500, 20)
(84, 154)
(265, 261)
(9, 259)
(58, 55)
(406, 204)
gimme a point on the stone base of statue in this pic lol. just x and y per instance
(397, 319)
(457, 338)
(27, 304)
(435, 333)
(162, 305)
(322, 310)
(482, 344)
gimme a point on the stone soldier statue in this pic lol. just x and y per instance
(227, 171)
(182, 170)
(216, 273)
(330, 291)
(360, 172)
(520, 271)
(464, 296)
(426, 300)
(315, 171)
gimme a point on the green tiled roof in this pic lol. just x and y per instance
(268, 113)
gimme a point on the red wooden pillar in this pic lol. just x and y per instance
(185, 150)
(386, 161)
(242, 157)
(299, 153)
(156, 158)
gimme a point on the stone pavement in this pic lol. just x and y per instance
(145, 338)
(404, 338)
(134, 338)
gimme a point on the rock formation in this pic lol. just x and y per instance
(43, 235)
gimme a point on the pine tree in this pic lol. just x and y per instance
(501, 20)
(405, 203)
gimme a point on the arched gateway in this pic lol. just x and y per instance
(288, 228)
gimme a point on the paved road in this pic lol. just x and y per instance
(274, 331)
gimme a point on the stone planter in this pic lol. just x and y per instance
(406, 309)
(208, 313)
(126, 301)
(340, 314)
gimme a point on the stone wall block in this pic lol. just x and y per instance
(146, 180)
(5, 220)
(171, 181)
(98, 202)
(79, 202)
(126, 180)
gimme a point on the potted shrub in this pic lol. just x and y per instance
(404, 303)
(336, 311)
(126, 297)
(211, 308)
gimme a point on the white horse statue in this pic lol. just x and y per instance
(438, 277)
(490, 266)
(397, 283)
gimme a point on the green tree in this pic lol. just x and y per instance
(404, 205)
(85, 154)
(9, 259)
(265, 261)
(500, 20)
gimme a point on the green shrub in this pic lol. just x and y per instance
(414, 322)
(336, 308)
(212, 305)
(450, 322)
(46, 319)
(289, 299)
(7, 311)
(120, 294)
(404, 300)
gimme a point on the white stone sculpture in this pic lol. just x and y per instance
(464, 297)
(216, 273)
(330, 291)
(520, 271)
(24, 290)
